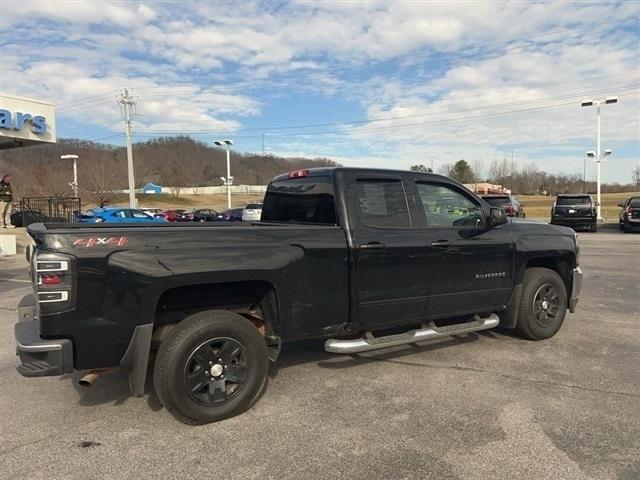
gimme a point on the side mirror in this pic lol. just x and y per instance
(621, 205)
(597, 204)
(497, 216)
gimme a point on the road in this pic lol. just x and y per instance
(486, 406)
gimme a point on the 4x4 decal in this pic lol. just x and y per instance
(101, 242)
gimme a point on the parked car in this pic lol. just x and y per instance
(575, 210)
(124, 297)
(172, 215)
(252, 212)
(230, 215)
(151, 211)
(511, 204)
(120, 215)
(185, 216)
(630, 214)
(205, 215)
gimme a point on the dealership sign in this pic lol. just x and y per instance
(26, 122)
(19, 120)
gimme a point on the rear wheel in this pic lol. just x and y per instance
(543, 304)
(626, 228)
(593, 227)
(213, 366)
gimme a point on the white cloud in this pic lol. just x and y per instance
(435, 64)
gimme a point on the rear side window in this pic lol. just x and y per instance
(300, 200)
(254, 206)
(382, 203)
(634, 202)
(573, 201)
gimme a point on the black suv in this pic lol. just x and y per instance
(510, 204)
(630, 214)
(575, 210)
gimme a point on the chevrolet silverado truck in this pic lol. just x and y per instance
(361, 258)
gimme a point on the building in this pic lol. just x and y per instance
(484, 188)
(25, 122)
(151, 188)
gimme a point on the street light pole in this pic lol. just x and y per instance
(74, 184)
(228, 181)
(598, 154)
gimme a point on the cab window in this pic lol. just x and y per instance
(382, 203)
(445, 206)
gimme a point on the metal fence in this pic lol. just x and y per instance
(48, 210)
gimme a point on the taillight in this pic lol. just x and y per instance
(299, 173)
(51, 280)
(509, 209)
(54, 282)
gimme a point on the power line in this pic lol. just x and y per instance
(367, 121)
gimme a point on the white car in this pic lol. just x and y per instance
(252, 212)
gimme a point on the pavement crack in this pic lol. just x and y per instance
(35, 442)
(519, 379)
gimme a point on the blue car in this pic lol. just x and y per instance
(119, 215)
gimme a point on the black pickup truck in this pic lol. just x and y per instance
(361, 258)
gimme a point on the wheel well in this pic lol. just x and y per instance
(255, 301)
(559, 265)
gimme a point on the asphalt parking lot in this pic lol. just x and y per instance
(486, 406)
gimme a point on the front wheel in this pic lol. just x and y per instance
(543, 304)
(212, 366)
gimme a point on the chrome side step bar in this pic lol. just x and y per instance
(369, 342)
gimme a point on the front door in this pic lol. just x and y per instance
(389, 251)
(470, 267)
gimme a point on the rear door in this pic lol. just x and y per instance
(389, 251)
(470, 267)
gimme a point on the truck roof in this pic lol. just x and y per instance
(328, 171)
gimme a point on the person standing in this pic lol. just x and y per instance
(6, 199)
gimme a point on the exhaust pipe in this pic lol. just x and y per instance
(90, 378)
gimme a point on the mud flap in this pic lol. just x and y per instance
(509, 317)
(136, 358)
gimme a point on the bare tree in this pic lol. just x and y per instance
(635, 176)
(500, 171)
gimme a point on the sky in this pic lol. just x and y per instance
(370, 84)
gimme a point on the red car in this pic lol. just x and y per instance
(173, 215)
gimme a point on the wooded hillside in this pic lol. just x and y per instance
(168, 161)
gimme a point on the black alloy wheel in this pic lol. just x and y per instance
(210, 366)
(543, 304)
(216, 371)
(546, 305)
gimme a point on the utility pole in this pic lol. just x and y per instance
(584, 175)
(511, 172)
(74, 184)
(263, 144)
(598, 153)
(127, 109)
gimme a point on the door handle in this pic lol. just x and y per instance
(442, 244)
(373, 246)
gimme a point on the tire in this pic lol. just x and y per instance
(196, 395)
(532, 323)
(626, 228)
(593, 227)
(621, 226)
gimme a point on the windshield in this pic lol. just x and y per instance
(301, 200)
(497, 201)
(574, 201)
(635, 202)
